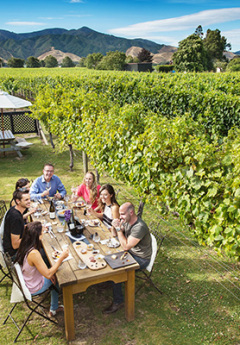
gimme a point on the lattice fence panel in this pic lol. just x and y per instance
(19, 122)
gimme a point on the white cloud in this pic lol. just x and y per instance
(76, 1)
(25, 23)
(233, 37)
(179, 23)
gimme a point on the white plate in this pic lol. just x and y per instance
(61, 213)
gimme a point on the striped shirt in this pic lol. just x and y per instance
(107, 216)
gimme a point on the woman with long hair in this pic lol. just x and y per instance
(23, 184)
(37, 276)
(108, 206)
(88, 190)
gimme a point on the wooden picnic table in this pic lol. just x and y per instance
(73, 280)
(8, 139)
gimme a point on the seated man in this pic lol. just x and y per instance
(47, 185)
(134, 236)
(14, 222)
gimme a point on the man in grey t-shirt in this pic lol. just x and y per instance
(135, 237)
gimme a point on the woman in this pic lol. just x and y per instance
(37, 276)
(89, 190)
(23, 184)
(108, 205)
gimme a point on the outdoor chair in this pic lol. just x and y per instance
(3, 267)
(146, 275)
(20, 293)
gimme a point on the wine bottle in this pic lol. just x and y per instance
(72, 222)
(52, 213)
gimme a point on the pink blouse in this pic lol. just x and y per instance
(33, 279)
(84, 192)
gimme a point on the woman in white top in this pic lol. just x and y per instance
(108, 206)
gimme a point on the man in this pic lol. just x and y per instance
(134, 236)
(14, 222)
(47, 185)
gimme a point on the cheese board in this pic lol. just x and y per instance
(120, 259)
(89, 255)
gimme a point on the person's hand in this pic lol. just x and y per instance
(45, 193)
(33, 210)
(116, 223)
(58, 196)
(53, 279)
(65, 253)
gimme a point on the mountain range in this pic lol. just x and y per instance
(80, 42)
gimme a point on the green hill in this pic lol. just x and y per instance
(81, 42)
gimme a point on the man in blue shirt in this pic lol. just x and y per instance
(47, 185)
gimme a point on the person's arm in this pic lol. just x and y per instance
(127, 243)
(15, 241)
(35, 190)
(61, 189)
(35, 259)
(115, 215)
(95, 214)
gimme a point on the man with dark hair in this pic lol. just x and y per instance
(134, 236)
(14, 222)
(47, 185)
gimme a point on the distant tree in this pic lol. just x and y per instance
(199, 31)
(113, 61)
(42, 63)
(81, 63)
(32, 62)
(191, 55)
(50, 61)
(215, 44)
(234, 64)
(145, 55)
(68, 62)
(1, 62)
(92, 60)
(136, 59)
(15, 62)
(129, 59)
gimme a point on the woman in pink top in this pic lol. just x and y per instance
(89, 190)
(37, 276)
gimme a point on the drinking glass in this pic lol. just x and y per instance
(88, 206)
(48, 186)
(81, 265)
(96, 237)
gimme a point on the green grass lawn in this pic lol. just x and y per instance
(201, 296)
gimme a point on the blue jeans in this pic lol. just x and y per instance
(117, 288)
(54, 294)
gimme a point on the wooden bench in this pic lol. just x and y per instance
(8, 139)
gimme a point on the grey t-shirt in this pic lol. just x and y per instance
(140, 230)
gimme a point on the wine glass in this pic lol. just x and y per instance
(81, 265)
(96, 237)
(88, 206)
(48, 186)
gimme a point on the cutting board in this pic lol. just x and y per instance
(86, 254)
(118, 262)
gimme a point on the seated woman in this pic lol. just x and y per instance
(37, 276)
(24, 185)
(88, 190)
(108, 206)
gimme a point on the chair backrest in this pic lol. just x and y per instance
(154, 253)
(19, 289)
(3, 212)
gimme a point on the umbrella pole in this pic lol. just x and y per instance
(3, 131)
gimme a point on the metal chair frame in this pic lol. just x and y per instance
(148, 274)
(32, 305)
(3, 210)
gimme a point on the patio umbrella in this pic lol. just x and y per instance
(11, 102)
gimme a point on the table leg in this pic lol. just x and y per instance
(130, 296)
(68, 312)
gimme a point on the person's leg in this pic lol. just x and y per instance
(117, 293)
(143, 263)
(54, 293)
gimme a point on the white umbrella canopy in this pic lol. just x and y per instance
(11, 102)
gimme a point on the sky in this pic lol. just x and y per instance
(162, 21)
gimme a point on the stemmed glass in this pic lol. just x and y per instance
(96, 237)
(48, 186)
(88, 206)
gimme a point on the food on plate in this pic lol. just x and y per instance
(89, 246)
(92, 259)
(124, 256)
(93, 222)
(62, 212)
(95, 251)
(114, 256)
(78, 244)
(84, 251)
(80, 203)
(56, 255)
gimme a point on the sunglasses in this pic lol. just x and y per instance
(23, 189)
